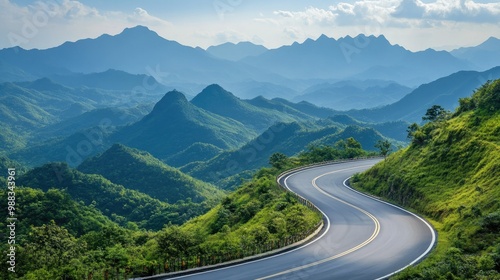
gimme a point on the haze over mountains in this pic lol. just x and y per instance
(122, 138)
(246, 69)
(139, 89)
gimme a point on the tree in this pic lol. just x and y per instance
(384, 146)
(51, 246)
(411, 130)
(278, 160)
(173, 242)
(435, 113)
(353, 143)
(117, 257)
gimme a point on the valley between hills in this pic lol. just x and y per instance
(158, 157)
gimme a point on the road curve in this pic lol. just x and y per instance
(363, 238)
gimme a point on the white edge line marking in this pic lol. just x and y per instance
(273, 256)
(327, 229)
(353, 249)
(404, 210)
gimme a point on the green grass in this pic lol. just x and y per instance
(451, 175)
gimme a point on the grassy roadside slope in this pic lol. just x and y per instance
(451, 174)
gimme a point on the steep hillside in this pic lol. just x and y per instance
(250, 89)
(138, 170)
(451, 173)
(288, 139)
(6, 163)
(194, 153)
(217, 100)
(118, 203)
(116, 116)
(63, 236)
(347, 95)
(485, 56)
(72, 149)
(395, 130)
(308, 108)
(26, 108)
(111, 80)
(445, 92)
(38, 209)
(175, 124)
(276, 104)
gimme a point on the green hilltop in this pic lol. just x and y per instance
(451, 174)
(226, 169)
(217, 100)
(123, 206)
(139, 170)
(175, 124)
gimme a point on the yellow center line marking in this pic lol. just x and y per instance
(366, 242)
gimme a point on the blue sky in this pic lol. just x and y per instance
(414, 24)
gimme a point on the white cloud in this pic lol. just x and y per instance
(69, 9)
(396, 13)
(293, 33)
(141, 16)
(45, 24)
(309, 16)
(416, 24)
(229, 36)
(452, 10)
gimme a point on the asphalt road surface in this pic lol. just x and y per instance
(363, 238)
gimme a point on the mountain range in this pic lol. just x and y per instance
(138, 170)
(284, 72)
(235, 52)
(445, 92)
(136, 50)
(361, 56)
(174, 124)
(347, 95)
(484, 56)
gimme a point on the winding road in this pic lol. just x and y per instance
(363, 238)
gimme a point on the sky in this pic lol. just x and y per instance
(413, 24)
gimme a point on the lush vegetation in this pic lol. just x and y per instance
(451, 174)
(217, 100)
(287, 138)
(175, 124)
(124, 206)
(138, 170)
(80, 226)
(26, 107)
(194, 153)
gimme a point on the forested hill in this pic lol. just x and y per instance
(175, 124)
(451, 174)
(122, 205)
(139, 170)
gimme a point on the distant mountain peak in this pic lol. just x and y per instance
(492, 43)
(171, 98)
(381, 37)
(137, 30)
(323, 37)
(118, 147)
(139, 33)
(235, 52)
(213, 92)
(45, 84)
(214, 87)
(309, 41)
